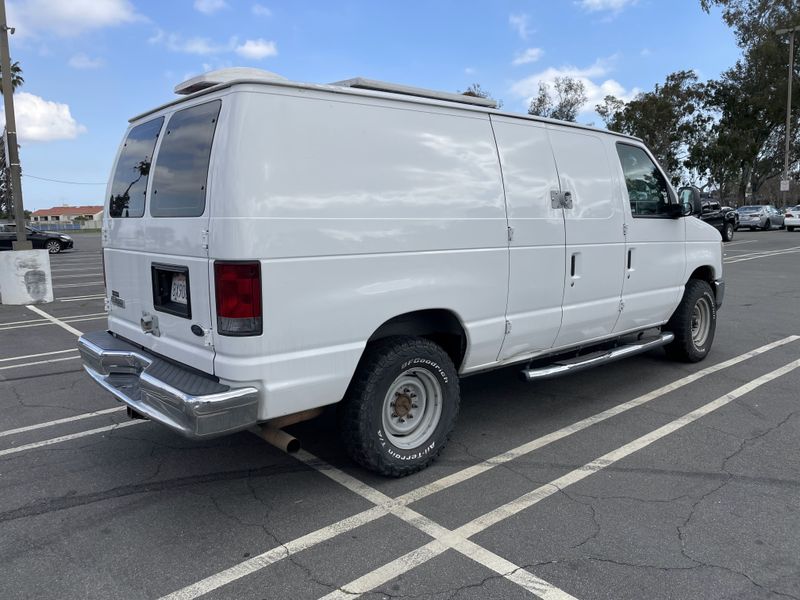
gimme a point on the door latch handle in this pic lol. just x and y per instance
(567, 202)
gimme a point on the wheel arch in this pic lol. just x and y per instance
(440, 325)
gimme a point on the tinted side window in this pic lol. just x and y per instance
(133, 167)
(647, 189)
(181, 172)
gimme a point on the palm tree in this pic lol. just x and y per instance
(16, 76)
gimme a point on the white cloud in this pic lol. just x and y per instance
(469, 71)
(606, 5)
(257, 49)
(593, 77)
(530, 55)
(82, 61)
(260, 10)
(69, 18)
(40, 120)
(519, 23)
(209, 7)
(192, 45)
(645, 52)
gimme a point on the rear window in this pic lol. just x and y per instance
(181, 171)
(133, 167)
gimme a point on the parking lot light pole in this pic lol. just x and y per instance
(22, 242)
(791, 31)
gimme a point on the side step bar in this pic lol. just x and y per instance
(573, 365)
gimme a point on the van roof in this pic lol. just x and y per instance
(359, 86)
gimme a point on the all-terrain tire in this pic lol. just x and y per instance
(401, 370)
(694, 323)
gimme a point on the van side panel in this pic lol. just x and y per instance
(536, 284)
(359, 210)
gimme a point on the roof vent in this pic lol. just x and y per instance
(396, 88)
(212, 78)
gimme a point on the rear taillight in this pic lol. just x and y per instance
(790, 215)
(238, 293)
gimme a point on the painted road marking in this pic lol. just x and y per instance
(39, 362)
(307, 541)
(81, 298)
(51, 318)
(763, 254)
(73, 285)
(441, 543)
(11, 358)
(80, 417)
(66, 438)
(66, 320)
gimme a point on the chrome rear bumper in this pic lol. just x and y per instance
(191, 403)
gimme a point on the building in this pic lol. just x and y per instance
(67, 214)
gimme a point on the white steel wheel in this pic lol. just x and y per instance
(412, 408)
(701, 321)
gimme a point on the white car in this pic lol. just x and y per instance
(274, 247)
(792, 218)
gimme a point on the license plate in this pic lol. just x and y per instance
(178, 291)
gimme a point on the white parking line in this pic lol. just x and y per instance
(66, 438)
(43, 323)
(75, 276)
(39, 362)
(766, 254)
(58, 322)
(72, 285)
(450, 538)
(273, 555)
(80, 417)
(60, 270)
(12, 358)
(729, 244)
(81, 298)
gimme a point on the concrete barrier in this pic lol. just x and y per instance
(25, 277)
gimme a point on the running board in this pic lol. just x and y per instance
(573, 365)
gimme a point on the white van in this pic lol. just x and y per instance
(273, 247)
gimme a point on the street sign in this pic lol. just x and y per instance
(784, 185)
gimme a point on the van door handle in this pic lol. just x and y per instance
(572, 267)
(630, 258)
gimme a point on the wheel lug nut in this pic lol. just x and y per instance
(394, 415)
(402, 420)
(410, 416)
(414, 406)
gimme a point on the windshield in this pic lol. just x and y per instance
(746, 209)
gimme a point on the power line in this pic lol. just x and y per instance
(62, 181)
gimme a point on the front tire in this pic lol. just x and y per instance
(694, 323)
(401, 406)
(727, 232)
(53, 246)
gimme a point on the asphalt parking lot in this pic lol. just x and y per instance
(642, 479)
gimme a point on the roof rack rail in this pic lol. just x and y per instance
(396, 88)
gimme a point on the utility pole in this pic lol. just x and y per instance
(785, 182)
(22, 242)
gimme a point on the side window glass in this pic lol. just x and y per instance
(647, 190)
(181, 171)
(133, 168)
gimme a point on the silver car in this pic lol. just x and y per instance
(764, 216)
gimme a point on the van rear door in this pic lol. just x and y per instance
(156, 251)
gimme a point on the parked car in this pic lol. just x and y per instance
(243, 292)
(758, 216)
(722, 218)
(792, 217)
(52, 241)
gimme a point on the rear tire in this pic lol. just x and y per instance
(694, 323)
(789, 228)
(727, 232)
(401, 406)
(767, 225)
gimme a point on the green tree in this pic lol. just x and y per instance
(669, 119)
(6, 202)
(570, 96)
(755, 20)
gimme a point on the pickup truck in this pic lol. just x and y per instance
(723, 218)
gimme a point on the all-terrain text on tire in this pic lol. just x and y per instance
(401, 406)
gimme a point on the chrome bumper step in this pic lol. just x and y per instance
(573, 365)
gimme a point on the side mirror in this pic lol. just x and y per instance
(690, 200)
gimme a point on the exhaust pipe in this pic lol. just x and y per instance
(283, 441)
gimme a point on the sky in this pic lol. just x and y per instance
(90, 65)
